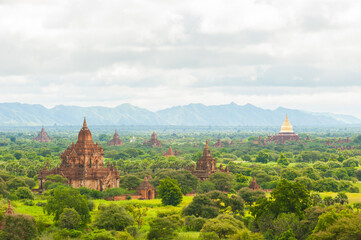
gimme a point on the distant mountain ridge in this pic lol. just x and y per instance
(18, 114)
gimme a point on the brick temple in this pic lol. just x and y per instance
(206, 165)
(115, 141)
(170, 152)
(42, 136)
(153, 142)
(82, 164)
(218, 144)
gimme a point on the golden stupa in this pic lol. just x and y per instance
(286, 126)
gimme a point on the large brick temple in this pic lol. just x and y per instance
(153, 141)
(206, 165)
(115, 141)
(42, 136)
(82, 164)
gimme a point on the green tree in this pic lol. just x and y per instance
(66, 197)
(18, 227)
(282, 160)
(113, 217)
(130, 182)
(138, 213)
(209, 205)
(206, 186)
(222, 181)
(69, 219)
(262, 157)
(224, 225)
(250, 196)
(170, 192)
(24, 193)
(287, 235)
(15, 183)
(162, 228)
(287, 197)
(341, 198)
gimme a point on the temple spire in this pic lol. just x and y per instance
(84, 123)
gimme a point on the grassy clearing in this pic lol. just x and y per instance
(352, 197)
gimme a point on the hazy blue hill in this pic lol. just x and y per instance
(17, 114)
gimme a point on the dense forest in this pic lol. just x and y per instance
(309, 189)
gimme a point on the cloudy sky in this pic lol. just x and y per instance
(303, 54)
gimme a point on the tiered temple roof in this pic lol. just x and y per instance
(153, 142)
(206, 165)
(254, 185)
(218, 144)
(169, 153)
(82, 164)
(42, 136)
(115, 141)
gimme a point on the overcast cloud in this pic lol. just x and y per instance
(303, 54)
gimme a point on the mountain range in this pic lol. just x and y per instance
(18, 114)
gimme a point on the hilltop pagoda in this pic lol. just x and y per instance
(206, 165)
(286, 133)
(115, 141)
(42, 136)
(82, 164)
(153, 142)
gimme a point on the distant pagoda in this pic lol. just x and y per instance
(218, 144)
(206, 165)
(115, 141)
(254, 185)
(286, 133)
(42, 136)
(170, 152)
(153, 142)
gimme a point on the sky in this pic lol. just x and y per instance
(155, 54)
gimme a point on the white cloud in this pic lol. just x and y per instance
(301, 54)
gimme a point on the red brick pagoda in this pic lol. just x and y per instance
(169, 153)
(153, 142)
(9, 211)
(83, 166)
(42, 136)
(115, 141)
(146, 190)
(218, 144)
(254, 185)
(206, 165)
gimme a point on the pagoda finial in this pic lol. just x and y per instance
(286, 117)
(84, 124)
(206, 143)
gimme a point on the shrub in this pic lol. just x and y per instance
(113, 217)
(170, 192)
(15, 183)
(24, 193)
(162, 229)
(193, 223)
(28, 203)
(224, 225)
(18, 227)
(66, 197)
(69, 219)
(65, 233)
(208, 236)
